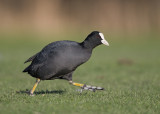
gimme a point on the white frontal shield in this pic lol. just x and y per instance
(103, 39)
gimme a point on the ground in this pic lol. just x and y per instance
(128, 70)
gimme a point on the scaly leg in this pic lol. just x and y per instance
(86, 87)
(34, 87)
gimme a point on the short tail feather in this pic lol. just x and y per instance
(26, 69)
(31, 58)
(28, 60)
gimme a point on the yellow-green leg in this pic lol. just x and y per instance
(76, 84)
(34, 87)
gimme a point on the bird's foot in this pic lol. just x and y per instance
(31, 94)
(91, 88)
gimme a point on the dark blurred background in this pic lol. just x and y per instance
(50, 17)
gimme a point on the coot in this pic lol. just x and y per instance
(58, 60)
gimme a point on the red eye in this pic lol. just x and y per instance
(98, 36)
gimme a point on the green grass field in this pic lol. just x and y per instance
(129, 70)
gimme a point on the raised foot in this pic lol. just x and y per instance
(92, 88)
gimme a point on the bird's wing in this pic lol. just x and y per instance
(31, 58)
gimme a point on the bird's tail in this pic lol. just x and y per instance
(26, 69)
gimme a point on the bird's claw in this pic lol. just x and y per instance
(31, 94)
(91, 88)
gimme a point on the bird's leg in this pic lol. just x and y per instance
(86, 87)
(34, 87)
(76, 84)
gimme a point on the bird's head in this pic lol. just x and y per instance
(96, 38)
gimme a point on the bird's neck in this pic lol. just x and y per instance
(90, 43)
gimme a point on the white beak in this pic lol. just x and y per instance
(103, 39)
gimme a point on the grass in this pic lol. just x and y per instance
(129, 88)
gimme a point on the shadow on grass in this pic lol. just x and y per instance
(42, 92)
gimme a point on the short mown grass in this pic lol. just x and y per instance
(128, 70)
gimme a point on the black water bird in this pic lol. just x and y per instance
(58, 60)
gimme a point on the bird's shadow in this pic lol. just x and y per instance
(42, 92)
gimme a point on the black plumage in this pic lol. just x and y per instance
(58, 60)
